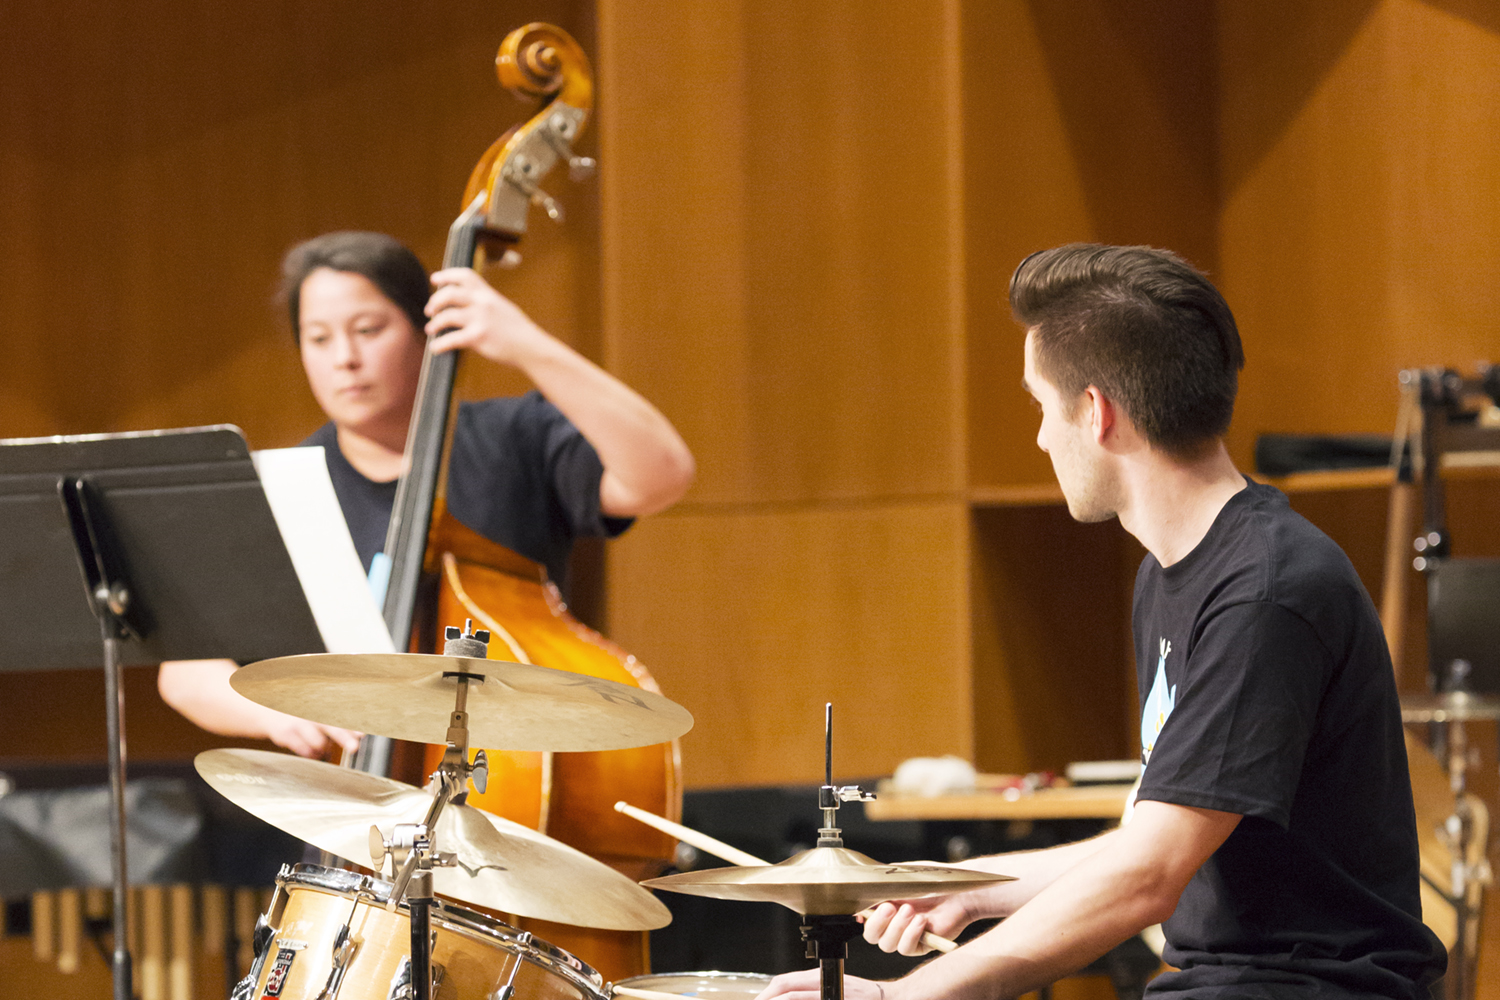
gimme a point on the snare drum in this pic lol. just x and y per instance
(717, 985)
(300, 956)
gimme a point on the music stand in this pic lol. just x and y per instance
(180, 558)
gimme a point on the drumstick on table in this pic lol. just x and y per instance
(734, 855)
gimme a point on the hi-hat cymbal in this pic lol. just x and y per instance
(1449, 706)
(826, 881)
(519, 706)
(501, 864)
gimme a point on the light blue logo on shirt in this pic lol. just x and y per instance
(1159, 704)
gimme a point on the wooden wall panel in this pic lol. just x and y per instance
(59, 716)
(754, 620)
(781, 238)
(1361, 222)
(1053, 669)
(779, 226)
(1090, 120)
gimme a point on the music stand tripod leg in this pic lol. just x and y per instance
(114, 696)
(109, 599)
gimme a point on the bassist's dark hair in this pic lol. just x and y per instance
(386, 262)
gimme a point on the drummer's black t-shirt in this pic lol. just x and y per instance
(1267, 691)
(519, 474)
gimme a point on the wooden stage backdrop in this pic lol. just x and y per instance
(798, 247)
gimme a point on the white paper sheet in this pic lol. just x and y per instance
(313, 527)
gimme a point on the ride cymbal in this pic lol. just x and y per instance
(500, 864)
(410, 696)
(826, 881)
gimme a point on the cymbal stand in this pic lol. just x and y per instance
(411, 846)
(1458, 831)
(1458, 834)
(828, 936)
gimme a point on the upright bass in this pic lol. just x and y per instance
(440, 571)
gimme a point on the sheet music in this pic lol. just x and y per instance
(312, 525)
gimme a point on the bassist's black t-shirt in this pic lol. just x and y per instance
(1267, 691)
(519, 474)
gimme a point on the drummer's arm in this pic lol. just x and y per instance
(200, 691)
(1087, 909)
(899, 925)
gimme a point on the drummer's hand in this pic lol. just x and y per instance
(899, 927)
(465, 311)
(308, 739)
(807, 984)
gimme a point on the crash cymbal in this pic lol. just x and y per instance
(825, 881)
(1450, 706)
(502, 865)
(519, 706)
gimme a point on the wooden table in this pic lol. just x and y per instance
(1075, 802)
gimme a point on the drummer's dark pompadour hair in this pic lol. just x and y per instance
(1142, 325)
(385, 261)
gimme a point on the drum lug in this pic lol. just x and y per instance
(508, 990)
(244, 989)
(401, 981)
(260, 943)
(343, 950)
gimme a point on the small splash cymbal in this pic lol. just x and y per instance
(826, 881)
(410, 696)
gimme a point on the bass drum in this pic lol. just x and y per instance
(299, 953)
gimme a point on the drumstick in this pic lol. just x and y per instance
(688, 835)
(719, 849)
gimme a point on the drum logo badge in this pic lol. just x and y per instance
(276, 979)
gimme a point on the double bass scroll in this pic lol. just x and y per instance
(542, 62)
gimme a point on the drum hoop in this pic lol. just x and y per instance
(707, 974)
(455, 918)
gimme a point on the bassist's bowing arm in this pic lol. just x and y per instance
(199, 690)
(647, 465)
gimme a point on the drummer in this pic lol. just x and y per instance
(583, 454)
(1272, 832)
